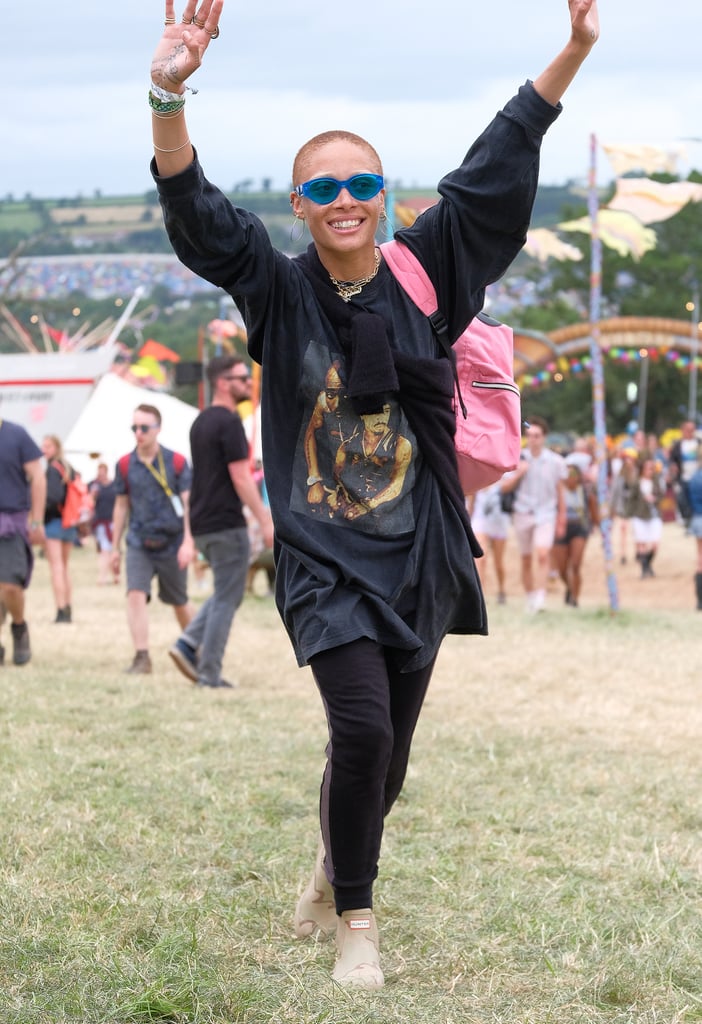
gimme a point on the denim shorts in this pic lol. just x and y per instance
(696, 527)
(143, 565)
(103, 537)
(53, 530)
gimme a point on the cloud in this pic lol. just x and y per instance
(419, 84)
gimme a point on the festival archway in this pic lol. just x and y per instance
(539, 357)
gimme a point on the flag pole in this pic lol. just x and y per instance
(598, 391)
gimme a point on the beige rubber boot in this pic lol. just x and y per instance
(358, 948)
(315, 913)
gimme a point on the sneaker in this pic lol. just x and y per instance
(358, 962)
(63, 614)
(221, 685)
(2, 655)
(141, 666)
(21, 651)
(185, 658)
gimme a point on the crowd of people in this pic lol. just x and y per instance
(99, 276)
(551, 504)
(170, 514)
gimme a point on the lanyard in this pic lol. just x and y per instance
(160, 476)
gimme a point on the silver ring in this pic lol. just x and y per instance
(200, 24)
(187, 21)
(215, 34)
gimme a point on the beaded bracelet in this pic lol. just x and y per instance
(165, 117)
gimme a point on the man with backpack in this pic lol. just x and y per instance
(152, 486)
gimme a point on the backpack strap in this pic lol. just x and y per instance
(409, 272)
(123, 464)
(124, 461)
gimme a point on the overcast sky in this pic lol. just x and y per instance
(420, 80)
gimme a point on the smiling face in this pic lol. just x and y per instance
(343, 230)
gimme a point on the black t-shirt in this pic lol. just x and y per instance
(56, 476)
(216, 438)
(16, 450)
(104, 497)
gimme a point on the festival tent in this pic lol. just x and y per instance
(44, 392)
(101, 433)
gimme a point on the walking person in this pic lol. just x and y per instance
(644, 498)
(22, 504)
(103, 493)
(539, 510)
(152, 487)
(581, 514)
(60, 539)
(622, 478)
(694, 494)
(367, 589)
(222, 484)
(685, 455)
(491, 526)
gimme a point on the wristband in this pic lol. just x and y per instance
(164, 95)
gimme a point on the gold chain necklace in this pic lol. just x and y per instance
(347, 289)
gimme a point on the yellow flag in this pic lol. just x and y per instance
(651, 201)
(543, 244)
(619, 231)
(648, 159)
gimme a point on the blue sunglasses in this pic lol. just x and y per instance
(325, 190)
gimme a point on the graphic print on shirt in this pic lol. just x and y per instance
(351, 470)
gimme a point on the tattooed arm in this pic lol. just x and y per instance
(178, 54)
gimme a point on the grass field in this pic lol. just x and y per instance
(544, 863)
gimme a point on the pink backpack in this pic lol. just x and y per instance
(488, 431)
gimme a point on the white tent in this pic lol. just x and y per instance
(101, 432)
(45, 391)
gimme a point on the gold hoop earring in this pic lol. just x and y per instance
(297, 220)
(384, 225)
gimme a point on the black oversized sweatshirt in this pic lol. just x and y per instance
(368, 540)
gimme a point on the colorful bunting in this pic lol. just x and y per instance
(578, 365)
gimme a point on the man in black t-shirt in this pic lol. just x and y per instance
(222, 485)
(22, 500)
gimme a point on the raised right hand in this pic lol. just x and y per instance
(585, 22)
(183, 43)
